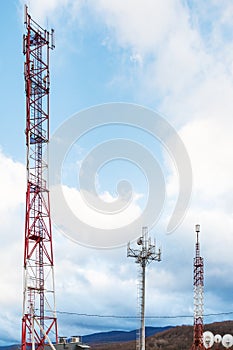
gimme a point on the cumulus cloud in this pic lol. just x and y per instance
(209, 144)
(84, 211)
(12, 189)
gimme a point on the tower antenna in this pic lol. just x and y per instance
(39, 322)
(143, 256)
(198, 283)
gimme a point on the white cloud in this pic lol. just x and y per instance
(12, 189)
(11, 173)
(210, 144)
(85, 212)
(136, 58)
(140, 25)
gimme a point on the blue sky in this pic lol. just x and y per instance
(174, 57)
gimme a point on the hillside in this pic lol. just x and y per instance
(177, 338)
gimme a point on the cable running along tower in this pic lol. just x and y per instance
(198, 282)
(39, 323)
(143, 256)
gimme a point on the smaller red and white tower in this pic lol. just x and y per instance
(198, 282)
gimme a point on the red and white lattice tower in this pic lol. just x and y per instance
(198, 297)
(39, 323)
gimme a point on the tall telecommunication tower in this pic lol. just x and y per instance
(198, 282)
(143, 257)
(39, 323)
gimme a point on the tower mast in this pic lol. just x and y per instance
(39, 322)
(198, 282)
(143, 257)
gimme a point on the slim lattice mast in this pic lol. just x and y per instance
(39, 323)
(143, 257)
(198, 283)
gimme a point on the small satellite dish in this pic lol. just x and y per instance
(218, 338)
(208, 339)
(227, 340)
(139, 241)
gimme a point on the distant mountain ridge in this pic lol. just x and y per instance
(120, 336)
(106, 337)
(10, 347)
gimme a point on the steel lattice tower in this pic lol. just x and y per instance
(143, 257)
(198, 282)
(39, 323)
